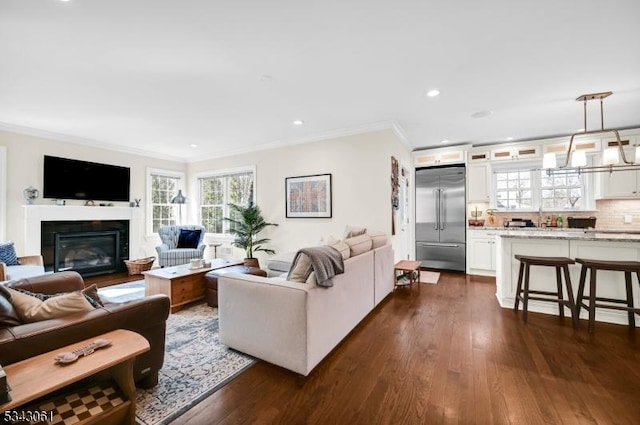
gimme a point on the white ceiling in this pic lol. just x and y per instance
(157, 76)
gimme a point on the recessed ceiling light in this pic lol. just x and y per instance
(481, 114)
(193, 145)
(509, 138)
(433, 93)
(298, 122)
(444, 141)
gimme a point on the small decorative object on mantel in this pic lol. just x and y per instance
(30, 194)
(70, 357)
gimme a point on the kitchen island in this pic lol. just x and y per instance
(572, 243)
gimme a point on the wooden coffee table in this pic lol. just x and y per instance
(182, 284)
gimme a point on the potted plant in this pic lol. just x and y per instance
(245, 228)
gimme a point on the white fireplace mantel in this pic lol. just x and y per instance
(34, 215)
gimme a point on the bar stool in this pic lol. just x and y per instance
(561, 264)
(593, 266)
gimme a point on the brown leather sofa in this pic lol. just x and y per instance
(147, 316)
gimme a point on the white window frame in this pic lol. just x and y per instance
(518, 165)
(149, 205)
(221, 173)
(588, 199)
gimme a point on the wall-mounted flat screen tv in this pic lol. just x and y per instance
(73, 179)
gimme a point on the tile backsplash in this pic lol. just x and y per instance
(610, 214)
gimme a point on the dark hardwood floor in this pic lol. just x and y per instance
(447, 353)
(111, 279)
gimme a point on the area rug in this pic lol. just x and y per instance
(196, 364)
(429, 277)
(123, 292)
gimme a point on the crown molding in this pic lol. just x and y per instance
(28, 131)
(317, 137)
(392, 125)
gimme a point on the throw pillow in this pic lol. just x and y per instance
(91, 294)
(358, 244)
(8, 315)
(8, 254)
(311, 280)
(342, 248)
(378, 238)
(351, 231)
(32, 309)
(189, 238)
(301, 268)
(4, 291)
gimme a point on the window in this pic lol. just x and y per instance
(162, 187)
(561, 189)
(514, 189)
(217, 191)
(525, 187)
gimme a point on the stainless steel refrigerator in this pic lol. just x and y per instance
(441, 218)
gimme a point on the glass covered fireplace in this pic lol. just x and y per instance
(87, 247)
(88, 253)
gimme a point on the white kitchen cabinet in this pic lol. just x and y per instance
(478, 182)
(621, 184)
(438, 157)
(611, 284)
(481, 252)
(516, 152)
(579, 144)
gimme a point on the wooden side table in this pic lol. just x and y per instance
(39, 376)
(406, 272)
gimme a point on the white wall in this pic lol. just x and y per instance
(360, 166)
(25, 156)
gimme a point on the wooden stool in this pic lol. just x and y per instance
(560, 264)
(593, 266)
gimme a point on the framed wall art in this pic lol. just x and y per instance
(308, 196)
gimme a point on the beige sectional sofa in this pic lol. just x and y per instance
(295, 325)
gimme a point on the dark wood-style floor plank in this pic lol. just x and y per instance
(446, 354)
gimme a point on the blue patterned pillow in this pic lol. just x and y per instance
(189, 238)
(8, 254)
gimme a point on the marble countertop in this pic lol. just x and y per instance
(565, 233)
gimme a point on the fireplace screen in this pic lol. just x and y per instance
(87, 253)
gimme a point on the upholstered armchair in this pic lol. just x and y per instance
(30, 265)
(180, 244)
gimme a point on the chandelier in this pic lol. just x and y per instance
(610, 156)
